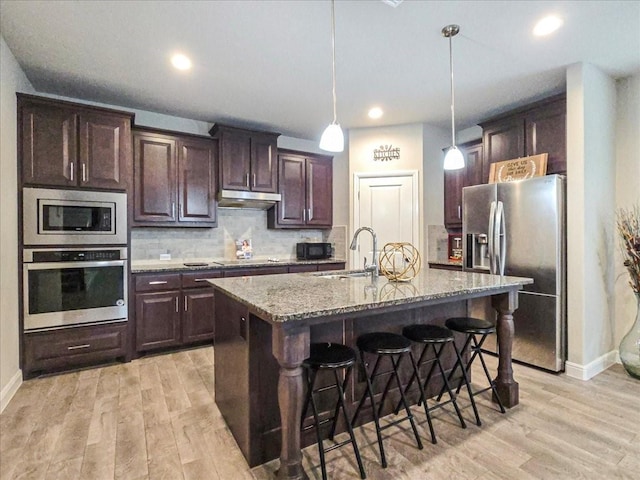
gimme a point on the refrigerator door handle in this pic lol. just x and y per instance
(500, 239)
(492, 246)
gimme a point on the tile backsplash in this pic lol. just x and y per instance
(233, 224)
(437, 243)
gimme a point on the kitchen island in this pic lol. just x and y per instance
(265, 325)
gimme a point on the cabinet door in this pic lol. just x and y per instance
(291, 209)
(104, 149)
(235, 159)
(502, 140)
(473, 166)
(157, 320)
(154, 178)
(264, 167)
(319, 198)
(453, 183)
(197, 182)
(198, 320)
(49, 145)
(546, 132)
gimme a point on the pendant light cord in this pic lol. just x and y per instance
(453, 114)
(333, 58)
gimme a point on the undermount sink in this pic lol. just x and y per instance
(344, 274)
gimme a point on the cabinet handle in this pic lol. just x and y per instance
(460, 211)
(254, 179)
(304, 214)
(246, 180)
(158, 282)
(309, 214)
(177, 310)
(173, 209)
(200, 279)
(84, 172)
(78, 347)
(71, 168)
(186, 304)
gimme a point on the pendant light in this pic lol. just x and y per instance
(332, 139)
(453, 160)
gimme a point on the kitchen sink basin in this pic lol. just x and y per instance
(343, 274)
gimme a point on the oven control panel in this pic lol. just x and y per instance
(77, 255)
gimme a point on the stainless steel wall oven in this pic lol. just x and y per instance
(67, 287)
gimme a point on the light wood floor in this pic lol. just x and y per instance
(155, 418)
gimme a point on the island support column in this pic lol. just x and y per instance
(506, 304)
(290, 347)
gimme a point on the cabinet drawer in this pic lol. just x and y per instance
(303, 268)
(323, 267)
(198, 279)
(250, 272)
(155, 282)
(72, 347)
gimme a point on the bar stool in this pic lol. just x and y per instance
(437, 338)
(333, 357)
(395, 347)
(472, 327)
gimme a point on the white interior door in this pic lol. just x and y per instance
(389, 204)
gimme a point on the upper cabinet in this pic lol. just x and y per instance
(535, 129)
(456, 180)
(72, 145)
(306, 186)
(174, 180)
(248, 159)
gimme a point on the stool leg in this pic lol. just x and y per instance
(383, 459)
(465, 379)
(413, 377)
(396, 364)
(447, 386)
(341, 403)
(478, 346)
(316, 419)
(459, 363)
(423, 398)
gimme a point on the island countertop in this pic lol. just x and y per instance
(305, 296)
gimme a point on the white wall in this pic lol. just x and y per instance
(591, 102)
(12, 80)
(627, 191)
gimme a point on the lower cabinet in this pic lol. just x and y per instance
(173, 309)
(74, 347)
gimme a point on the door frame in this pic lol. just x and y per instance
(416, 210)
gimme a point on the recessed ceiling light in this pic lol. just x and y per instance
(375, 112)
(181, 62)
(547, 25)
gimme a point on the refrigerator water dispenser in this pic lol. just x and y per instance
(478, 254)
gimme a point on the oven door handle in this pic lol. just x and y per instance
(57, 265)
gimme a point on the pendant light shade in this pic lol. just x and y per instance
(332, 139)
(453, 160)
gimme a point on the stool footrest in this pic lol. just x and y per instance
(337, 445)
(396, 422)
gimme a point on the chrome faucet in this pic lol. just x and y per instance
(373, 268)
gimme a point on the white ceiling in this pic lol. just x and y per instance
(267, 64)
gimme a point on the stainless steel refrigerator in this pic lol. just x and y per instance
(519, 228)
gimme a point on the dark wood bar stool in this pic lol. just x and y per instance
(437, 338)
(394, 347)
(472, 328)
(333, 357)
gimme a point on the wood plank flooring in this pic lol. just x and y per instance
(156, 418)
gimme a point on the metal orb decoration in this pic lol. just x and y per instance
(400, 261)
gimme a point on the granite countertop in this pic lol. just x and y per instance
(302, 296)
(187, 264)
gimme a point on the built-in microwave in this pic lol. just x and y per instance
(73, 217)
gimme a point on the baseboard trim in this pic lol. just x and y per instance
(590, 370)
(10, 390)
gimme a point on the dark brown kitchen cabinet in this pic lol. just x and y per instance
(173, 309)
(532, 130)
(65, 144)
(306, 187)
(456, 180)
(73, 347)
(248, 159)
(174, 180)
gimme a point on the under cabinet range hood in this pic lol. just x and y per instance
(246, 199)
